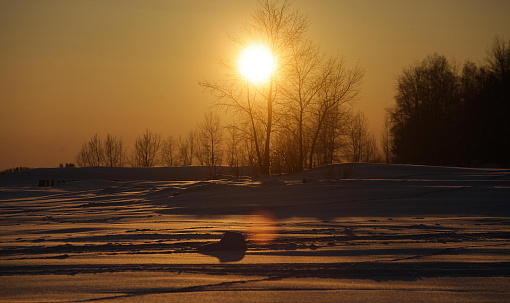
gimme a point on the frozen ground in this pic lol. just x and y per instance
(389, 233)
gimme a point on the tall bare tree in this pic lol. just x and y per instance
(338, 86)
(363, 145)
(210, 138)
(114, 153)
(186, 148)
(146, 150)
(91, 153)
(192, 145)
(168, 152)
(183, 151)
(386, 140)
(301, 91)
(287, 116)
(275, 24)
(234, 142)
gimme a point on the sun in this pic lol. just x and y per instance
(256, 63)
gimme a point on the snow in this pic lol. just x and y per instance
(131, 234)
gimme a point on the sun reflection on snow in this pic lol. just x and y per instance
(262, 227)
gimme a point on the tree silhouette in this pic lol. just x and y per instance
(186, 148)
(487, 107)
(91, 153)
(443, 117)
(113, 150)
(425, 114)
(304, 92)
(234, 149)
(210, 138)
(362, 145)
(168, 152)
(386, 140)
(146, 150)
(276, 25)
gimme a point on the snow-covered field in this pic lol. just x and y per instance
(388, 233)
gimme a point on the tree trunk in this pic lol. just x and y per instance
(266, 166)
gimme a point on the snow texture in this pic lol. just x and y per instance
(359, 233)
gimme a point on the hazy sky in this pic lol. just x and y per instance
(73, 68)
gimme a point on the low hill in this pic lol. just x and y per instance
(195, 173)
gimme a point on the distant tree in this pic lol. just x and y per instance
(210, 138)
(146, 150)
(443, 117)
(91, 153)
(66, 165)
(426, 115)
(234, 141)
(371, 152)
(362, 144)
(339, 86)
(97, 152)
(316, 93)
(332, 137)
(285, 152)
(487, 107)
(186, 148)
(13, 170)
(183, 151)
(82, 159)
(113, 150)
(386, 140)
(300, 92)
(498, 60)
(192, 145)
(169, 152)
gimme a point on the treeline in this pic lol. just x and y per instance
(13, 170)
(301, 117)
(446, 115)
(213, 143)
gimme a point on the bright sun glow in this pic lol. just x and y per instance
(256, 63)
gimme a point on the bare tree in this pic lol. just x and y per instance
(425, 116)
(234, 147)
(331, 138)
(338, 86)
(498, 58)
(96, 151)
(186, 148)
(288, 115)
(281, 28)
(146, 151)
(386, 140)
(91, 153)
(276, 25)
(371, 153)
(183, 151)
(82, 157)
(300, 91)
(363, 146)
(192, 143)
(210, 135)
(168, 152)
(113, 149)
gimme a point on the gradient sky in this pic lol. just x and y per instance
(73, 68)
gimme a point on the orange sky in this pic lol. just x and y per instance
(70, 68)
